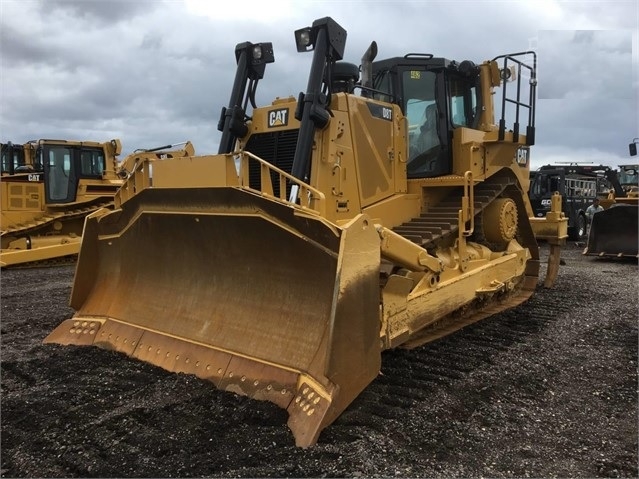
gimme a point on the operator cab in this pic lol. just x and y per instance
(629, 177)
(436, 96)
(64, 165)
(12, 158)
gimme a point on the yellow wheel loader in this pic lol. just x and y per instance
(48, 187)
(614, 232)
(324, 231)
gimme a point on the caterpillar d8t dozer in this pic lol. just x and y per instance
(366, 214)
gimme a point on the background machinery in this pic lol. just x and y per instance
(614, 232)
(324, 231)
(578, 185)
(13, 158)
(48, 187)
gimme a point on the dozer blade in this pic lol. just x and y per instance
(613, 232)
(259, 297)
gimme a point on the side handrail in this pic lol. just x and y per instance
(308, 198)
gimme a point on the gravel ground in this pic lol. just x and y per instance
(548, 389)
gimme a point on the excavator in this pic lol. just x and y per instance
(48, 187)
(614, 232)
(324, 231)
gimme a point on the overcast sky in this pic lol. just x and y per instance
(154, 72)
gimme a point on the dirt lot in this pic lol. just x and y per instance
(548, 389)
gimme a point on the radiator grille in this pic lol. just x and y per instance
(278, 148)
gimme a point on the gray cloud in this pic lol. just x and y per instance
(112, 11)
(17, 47)
(590, 64)
(151, 72)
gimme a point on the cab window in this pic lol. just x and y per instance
(92, 163)
(462, 103)
(58, 160)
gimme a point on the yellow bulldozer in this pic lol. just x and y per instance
(384, 207)
(14, 158)
(47, 189)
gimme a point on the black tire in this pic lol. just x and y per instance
(581, 227)
(578, 232)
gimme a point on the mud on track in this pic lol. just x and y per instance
(547, 389)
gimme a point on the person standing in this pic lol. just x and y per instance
(595, 207)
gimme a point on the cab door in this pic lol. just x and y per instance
(60, 177)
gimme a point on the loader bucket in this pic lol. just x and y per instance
(257, 296)
(613, 232)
